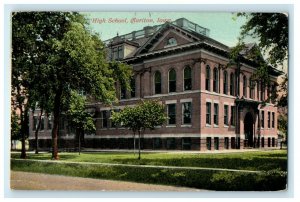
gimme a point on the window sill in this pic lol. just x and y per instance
(170, 126)
(226, 126)
(208, 125)
(186, 126)
(216, 126)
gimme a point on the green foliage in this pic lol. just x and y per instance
(52, 54)
(146, 115)
(15, 126)
(257, 161)
(77, 115)
(202, 179)
(271, 29)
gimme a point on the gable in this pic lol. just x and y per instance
(158, 40)
(170, 35)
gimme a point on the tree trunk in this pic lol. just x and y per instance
(56, 118)
(37, 132)
(24, 130)
(139, 145)
(133, 142)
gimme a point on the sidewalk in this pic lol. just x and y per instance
(37, 181)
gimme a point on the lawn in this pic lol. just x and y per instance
(272, 163)
(256, 160)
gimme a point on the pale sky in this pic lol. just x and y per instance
(224, 27)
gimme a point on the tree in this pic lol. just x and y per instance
(271, 30)
(58, 47)
(146, 115)
(14, 126)
(79, 118)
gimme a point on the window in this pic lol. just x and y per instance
(226, 143)
(208, 143)
(186, 143)
(225, 83)
(187, 78)
(269, 142)
(208, 111)
(225, 114)
(171, 42)
(262, 92)
(156, 143)
(132, 86)
(245, 86)
(104, 117)
(216, 114)
(262, 119)
(172, 81)
(232, 116)
(187, 113)
(49, 122)
(35, 122)
(273, 119)
(157, 81)
(123, 92)
(262, 142)
(115, 53)
(231, 84)
(216, 143)
(120, 52)
(232, 142)
(269, 119)
(252, 86)
(42, 123)
(216, 80)
(207, 78)
(172, 114)
(273, 142)
(257, 83)
(171, 143)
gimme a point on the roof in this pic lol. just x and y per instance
(146, 38)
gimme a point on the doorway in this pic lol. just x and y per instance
(248, 129)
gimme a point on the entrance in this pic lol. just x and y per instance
(248, 129)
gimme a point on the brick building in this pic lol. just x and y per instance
(211, 105)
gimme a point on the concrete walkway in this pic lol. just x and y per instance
(37, 181)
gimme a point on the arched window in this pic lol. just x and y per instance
(171, 42)
(207, 78)
(157, 82)
(225, 83)
(187, 78)
(231, 84)
(252, 86)
(172, 80)
(216, 80)
(245, 86)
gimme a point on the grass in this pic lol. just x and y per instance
(272, 163)
(256, 160)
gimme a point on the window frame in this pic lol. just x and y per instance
(157, 73)
(207, 78)
(225, 82)
(173, 84)
(173, 114)
(187, 80)
(215, 80)
(216, 114)
(208, 113)
(183, 113)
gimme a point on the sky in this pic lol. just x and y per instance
(224, 27)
